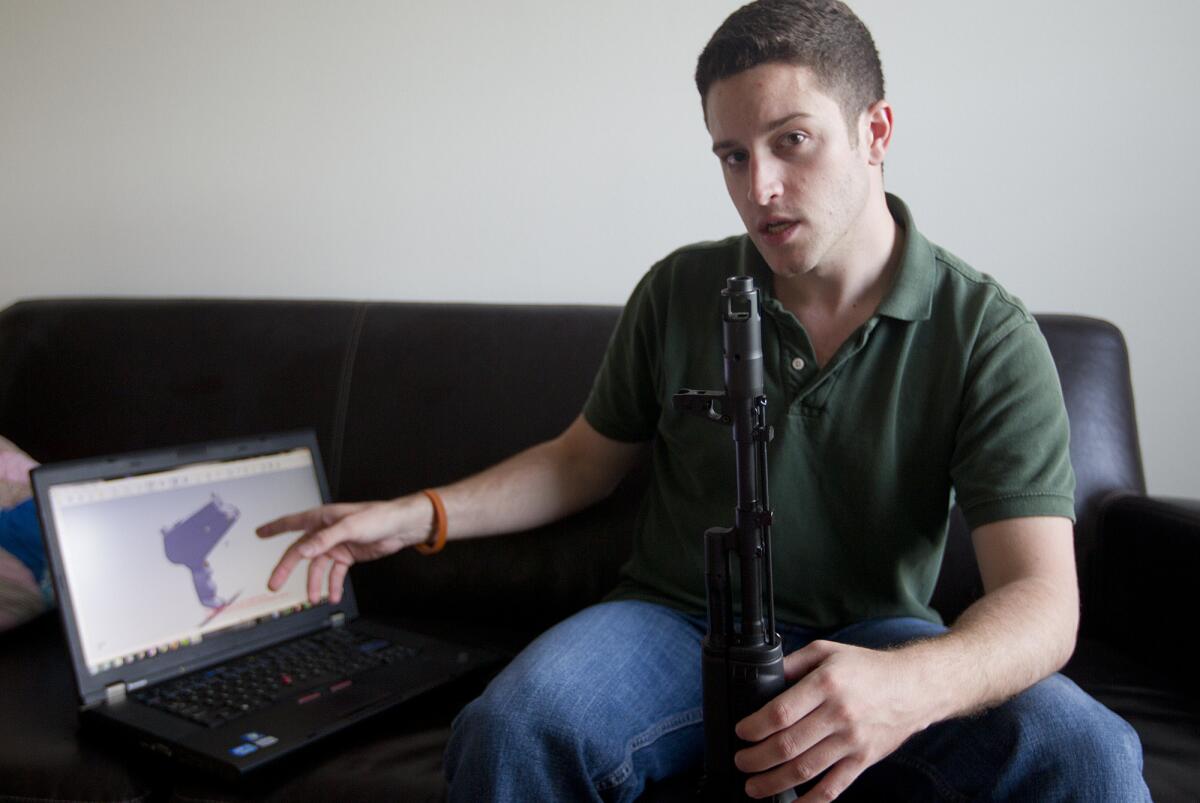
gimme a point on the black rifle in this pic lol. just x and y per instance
(742, 657)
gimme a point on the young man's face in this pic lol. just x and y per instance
(796, 180)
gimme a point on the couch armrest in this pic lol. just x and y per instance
(1148, 551)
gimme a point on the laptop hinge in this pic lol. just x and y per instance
(337, 620)
(115, 692)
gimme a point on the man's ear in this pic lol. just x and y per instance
(876, 130)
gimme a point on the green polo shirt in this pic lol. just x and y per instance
(948, 393)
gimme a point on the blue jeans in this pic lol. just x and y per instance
(610, 699)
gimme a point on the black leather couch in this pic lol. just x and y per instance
(404, 396)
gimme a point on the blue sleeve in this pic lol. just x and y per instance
(21, 536)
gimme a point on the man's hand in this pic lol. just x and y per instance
(849, 707)
(335, 537)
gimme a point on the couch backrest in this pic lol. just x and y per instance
(81, 377)
(404, 396)
(438, 392)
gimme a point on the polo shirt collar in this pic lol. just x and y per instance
(911, 295)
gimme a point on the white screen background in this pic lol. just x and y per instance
(129, 597)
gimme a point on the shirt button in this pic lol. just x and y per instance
(798, 364)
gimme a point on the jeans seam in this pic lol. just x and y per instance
(644, 739)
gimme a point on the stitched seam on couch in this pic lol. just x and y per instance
(646, 738)
(343, 402)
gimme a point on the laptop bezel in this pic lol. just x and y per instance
(94, 689)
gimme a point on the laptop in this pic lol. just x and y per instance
(175, 639)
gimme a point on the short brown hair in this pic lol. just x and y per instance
(823, 35)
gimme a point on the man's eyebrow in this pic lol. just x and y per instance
(787, 118)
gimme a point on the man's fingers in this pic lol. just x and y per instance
(324, 528)
(799, 770)
(337, 580)
(784, 745)
(799, 663)
(795, 703)
(836, 781)
(316, 577)
(782, 712)
(322, 541)
(305, 520)
(283, 569)
(313, 519)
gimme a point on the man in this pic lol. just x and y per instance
(895, 374)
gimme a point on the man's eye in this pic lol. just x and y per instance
(733, 158)
(794, 138)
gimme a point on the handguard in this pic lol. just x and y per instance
(742, 656)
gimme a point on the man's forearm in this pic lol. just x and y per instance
(1008, 640)
(530, 489)
(539, 485)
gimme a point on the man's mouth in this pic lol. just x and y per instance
(776, 226)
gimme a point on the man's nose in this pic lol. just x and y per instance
(765, 182)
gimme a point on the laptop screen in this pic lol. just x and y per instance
(160, 561)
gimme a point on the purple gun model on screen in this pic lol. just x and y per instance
(190, 541)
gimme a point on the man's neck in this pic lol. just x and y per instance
(857, 275)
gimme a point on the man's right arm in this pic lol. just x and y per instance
(539, 485)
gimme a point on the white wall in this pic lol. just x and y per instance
(550, 150)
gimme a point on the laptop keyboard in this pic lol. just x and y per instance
(306, 669)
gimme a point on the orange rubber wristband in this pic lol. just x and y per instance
(437, 541)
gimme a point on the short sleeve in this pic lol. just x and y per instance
(624, 401)
(1012, 451)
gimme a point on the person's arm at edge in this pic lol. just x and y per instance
(539, 485)
(852, 706)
